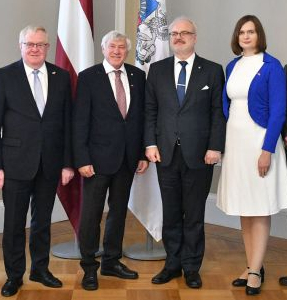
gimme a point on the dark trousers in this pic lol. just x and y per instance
(184, 192)
(17, 195)
(94, 195)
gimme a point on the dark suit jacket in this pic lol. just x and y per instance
(199, 122)
(27, 139)
(101, 136)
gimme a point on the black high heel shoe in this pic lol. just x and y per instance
(250, 290)
(241, 282)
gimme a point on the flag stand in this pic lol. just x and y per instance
(147, 251)
(70, 250)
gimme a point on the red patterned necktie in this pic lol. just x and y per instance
(120, 94)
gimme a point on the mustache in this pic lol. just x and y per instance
(179, 41)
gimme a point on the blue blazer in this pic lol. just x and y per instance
(266, 98)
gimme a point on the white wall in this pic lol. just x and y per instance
(216, 20)
(16, 14)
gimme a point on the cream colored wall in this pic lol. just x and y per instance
(132, 8)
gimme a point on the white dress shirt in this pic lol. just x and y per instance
(43, 76)
(188, 68)
(124, 77)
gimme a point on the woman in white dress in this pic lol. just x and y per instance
(253, 182)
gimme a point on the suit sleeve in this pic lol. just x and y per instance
(151, 109)
(284, 131)
(277, 106)
(218, 122)
(2, 107)
(68, 157)
(81, 121)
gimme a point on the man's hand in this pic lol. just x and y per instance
(142, 166)
(152, 154)
(264, 163)
(67, 175)
(1, 179)
(87, 171)
(212, 157)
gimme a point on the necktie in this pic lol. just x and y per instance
(180, 88)
(120, 94)
(38, 93)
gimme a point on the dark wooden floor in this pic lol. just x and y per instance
(224, 260)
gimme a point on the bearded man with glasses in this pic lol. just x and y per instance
(184, 136)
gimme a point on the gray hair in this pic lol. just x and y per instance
(31, 28)
(115, 35)
(182, 18)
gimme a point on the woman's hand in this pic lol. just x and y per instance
(264, 163)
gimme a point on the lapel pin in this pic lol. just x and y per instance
(54, 72)
(258, 74)
(199, 67)
(132, 74)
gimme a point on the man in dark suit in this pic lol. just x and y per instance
(108, 147)
(34, 153)
(185, 135)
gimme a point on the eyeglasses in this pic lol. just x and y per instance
(183, 34)
(39, 46)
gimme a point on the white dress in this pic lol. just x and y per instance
(241, 191)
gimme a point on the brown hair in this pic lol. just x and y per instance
(261, 41)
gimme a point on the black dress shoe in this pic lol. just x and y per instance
(11, 287)
(165, 276)
(283, 280)
(193, 280)
(250, 290)
(46, 278)
(90, 281)
(241, 282)
(119, 270)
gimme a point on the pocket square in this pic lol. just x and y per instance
(206, 87)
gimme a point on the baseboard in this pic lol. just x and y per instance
(212, 216)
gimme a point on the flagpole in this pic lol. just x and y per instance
(70, 250)
(147, 251)
(145, 201)
(74, 54)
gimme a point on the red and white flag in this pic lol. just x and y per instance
(75, 52)
(152, 45)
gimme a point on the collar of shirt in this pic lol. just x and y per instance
(109, 68)
(177, 68)
(43, 76)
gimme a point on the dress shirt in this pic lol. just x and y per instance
(124, 77)
(43, 76)
(188, 68)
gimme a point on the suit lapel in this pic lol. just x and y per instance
(103, 77)
(170, 81)
(193, 83)
(52, 86)
(27, 98)
(131, 80)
